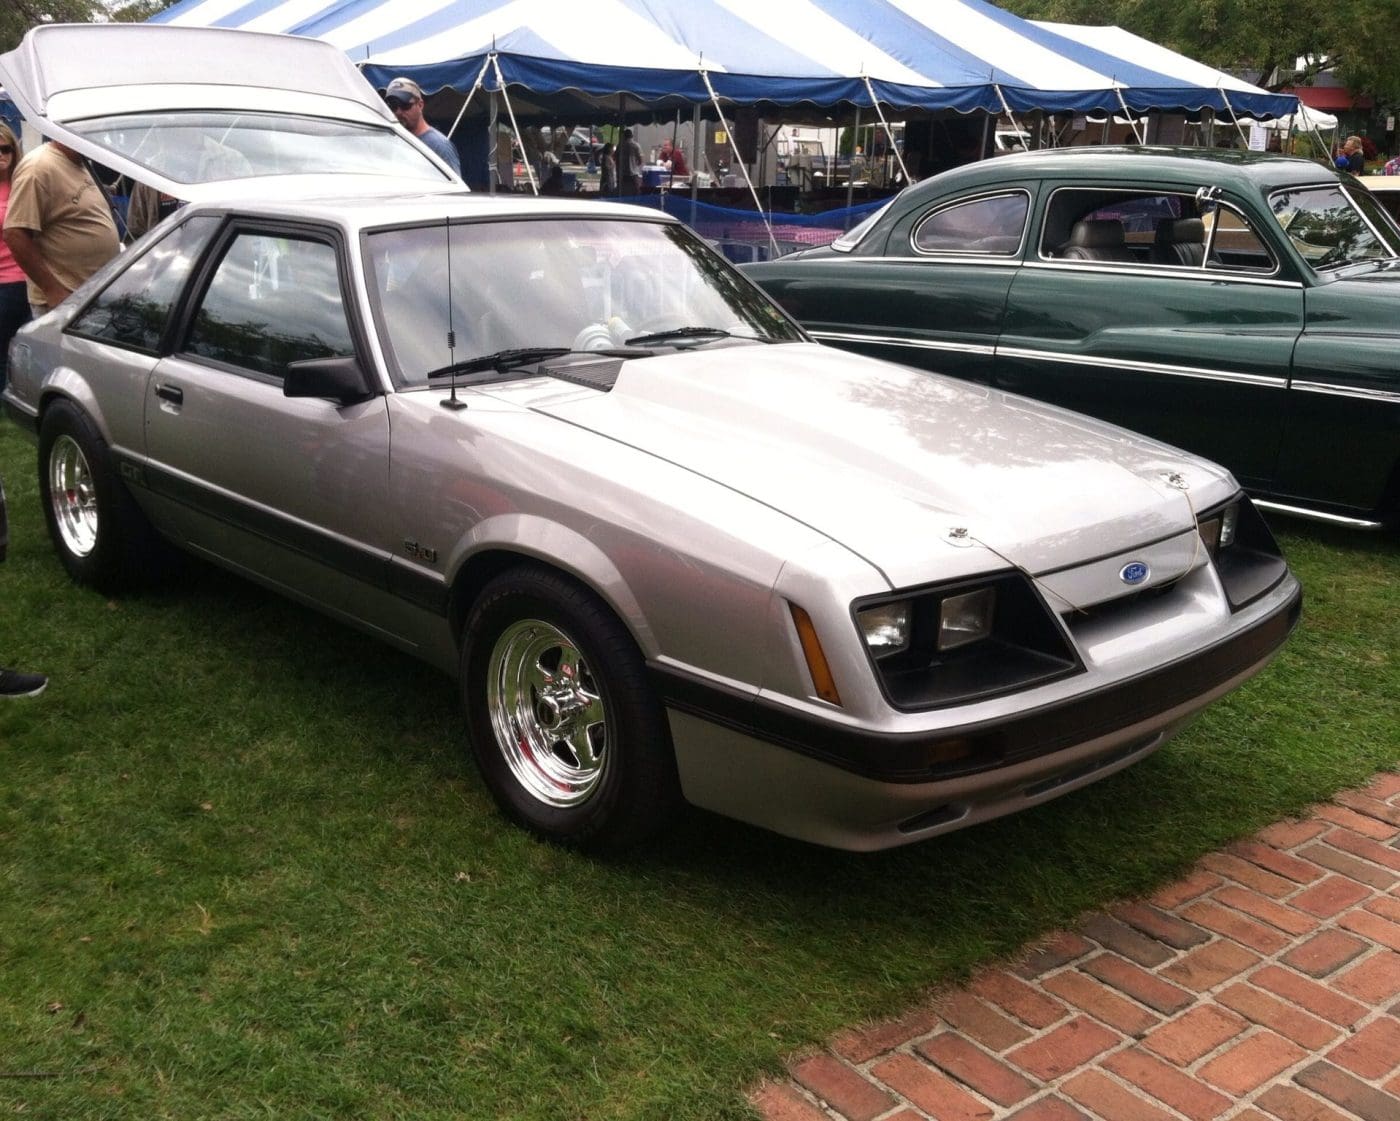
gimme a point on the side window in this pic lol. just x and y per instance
(1154, 228)
(991, 225)
(132, 311)
(1232, 242)
(272, 300)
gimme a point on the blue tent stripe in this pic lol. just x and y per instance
(915, 44)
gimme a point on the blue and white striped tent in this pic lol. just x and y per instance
(965, 55)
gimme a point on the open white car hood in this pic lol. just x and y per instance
(191, 110)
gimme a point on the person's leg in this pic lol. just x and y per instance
(14, 314)
(14, 683)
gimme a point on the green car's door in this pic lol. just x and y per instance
(1160, 313)
(934, 299)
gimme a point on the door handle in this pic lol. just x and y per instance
(172, 393)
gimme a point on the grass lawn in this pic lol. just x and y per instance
(245, 870)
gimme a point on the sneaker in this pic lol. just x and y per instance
(16, 684)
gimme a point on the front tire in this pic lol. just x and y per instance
(101, 536)
(567, 733)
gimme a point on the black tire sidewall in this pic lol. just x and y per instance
(638, 786)
(105, 567)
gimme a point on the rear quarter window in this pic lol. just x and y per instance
(992, 225)
(132, 311)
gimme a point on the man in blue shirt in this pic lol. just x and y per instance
(405, 98)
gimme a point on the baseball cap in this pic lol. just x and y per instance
(403, 90)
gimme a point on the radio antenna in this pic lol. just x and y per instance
(452, 402)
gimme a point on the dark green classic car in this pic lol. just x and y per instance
(1239, 305)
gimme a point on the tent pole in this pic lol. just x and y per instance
(739, 159)
(514, 127)
(1132, 121)
(1006, 108)
(889, 135)
(1233, 115)
(851, 168)
(695, 158)
(481, 75)
(492, 170)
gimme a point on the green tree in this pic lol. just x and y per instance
(1265, 37)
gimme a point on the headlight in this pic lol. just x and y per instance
(1246, 556)
(1218, 530)
(966, 618)
(952, 643)
(886, 627)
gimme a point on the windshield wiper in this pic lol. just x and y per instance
(680, 333)
(501, 361)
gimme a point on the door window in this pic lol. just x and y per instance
(271, 301)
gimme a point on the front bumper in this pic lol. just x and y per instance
(860, 789)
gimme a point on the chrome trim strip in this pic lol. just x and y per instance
(1145, 367)
(1164, 271)
(1317, 515)
(1346, 391)
(917, 344)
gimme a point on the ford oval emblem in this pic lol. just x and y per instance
(1134, 573)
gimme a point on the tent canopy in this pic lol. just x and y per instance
(910, 55)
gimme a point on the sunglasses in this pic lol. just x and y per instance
(397, 103)
(7, 149)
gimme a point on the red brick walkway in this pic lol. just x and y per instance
(1265, 986)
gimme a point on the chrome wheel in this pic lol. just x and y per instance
(546, 713)
(73, 496)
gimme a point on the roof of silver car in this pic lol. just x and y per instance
(378, 205)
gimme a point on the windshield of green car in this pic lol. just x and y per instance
(1330, 230)
(450, 294)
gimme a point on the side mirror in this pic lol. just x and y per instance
(340, 379)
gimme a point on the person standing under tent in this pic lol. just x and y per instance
(629, 165)
(405, 98)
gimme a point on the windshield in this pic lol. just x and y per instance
(1329, 230)
(206, 147)
(575, 284)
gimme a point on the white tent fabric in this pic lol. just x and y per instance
(965, 55)
(1111, 40)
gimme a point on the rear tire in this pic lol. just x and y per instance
(568, 735)
(101, 536)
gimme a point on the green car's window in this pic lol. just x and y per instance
(272, 300)
(1326, 226)
(132, 311)
(1232, 242)
(991, 225)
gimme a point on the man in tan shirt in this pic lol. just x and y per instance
(58, 226)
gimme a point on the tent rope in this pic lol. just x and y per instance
(738, 159)
(889, 134)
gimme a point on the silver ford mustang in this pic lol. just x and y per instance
(671, 549)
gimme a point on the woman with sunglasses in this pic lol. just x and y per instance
(14, 303)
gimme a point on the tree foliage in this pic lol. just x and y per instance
(1264, 37)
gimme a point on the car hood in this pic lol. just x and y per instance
(897, 464)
